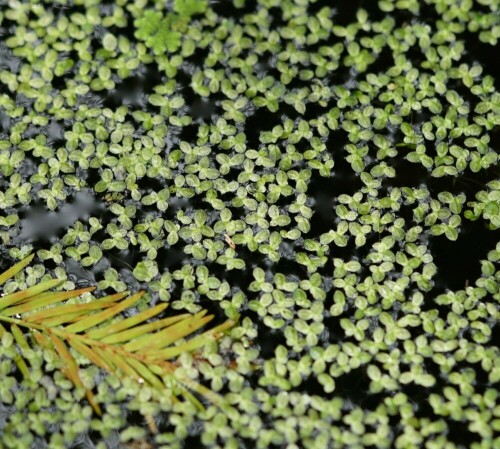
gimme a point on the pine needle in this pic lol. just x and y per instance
(132, 347)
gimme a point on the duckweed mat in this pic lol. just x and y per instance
(324, 173)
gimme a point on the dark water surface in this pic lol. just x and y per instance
(458, 262)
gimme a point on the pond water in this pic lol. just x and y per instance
(336, 146)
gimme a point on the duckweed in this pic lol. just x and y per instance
(326, 175)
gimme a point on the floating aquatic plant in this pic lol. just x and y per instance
(327, 172)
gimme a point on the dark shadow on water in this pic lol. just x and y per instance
(42, 224)
(458, 262)
(7, 60)
(267, 339)
(134, 90)
(408, 174)
(325, 193)
(4, 122)
(171, 258)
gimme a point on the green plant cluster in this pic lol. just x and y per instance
(384, 108)
(163, 34)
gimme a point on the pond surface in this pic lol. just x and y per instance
(326, 176)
